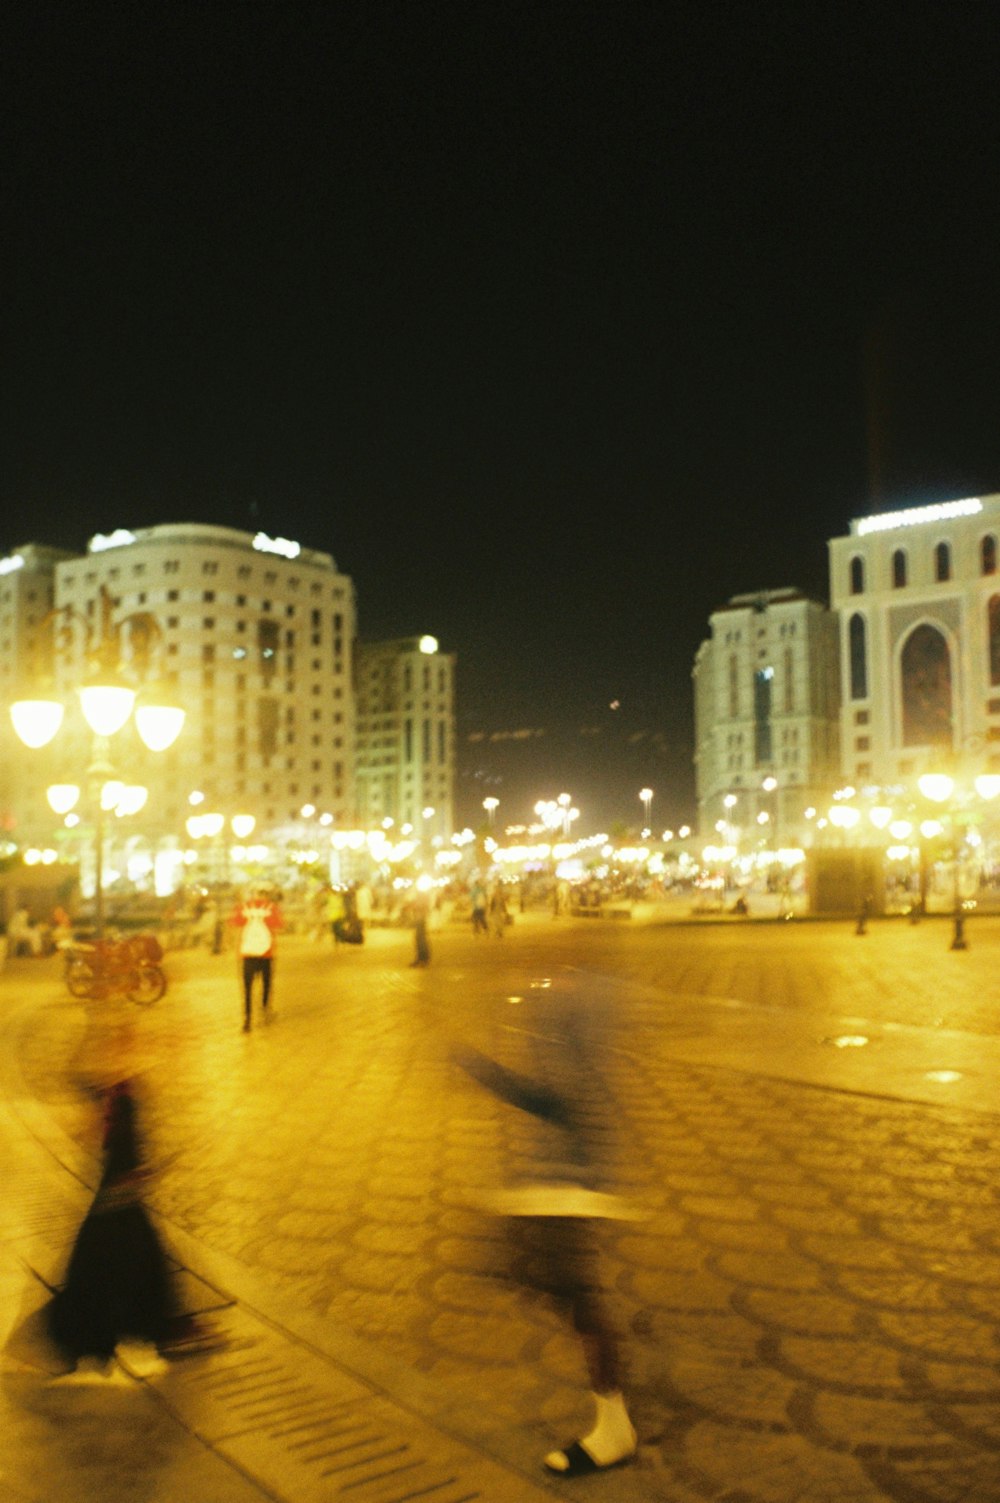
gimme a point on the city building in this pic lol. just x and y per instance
(405, 767)
(27, 596)
(766, 700)
(254, 635)
(917, 594)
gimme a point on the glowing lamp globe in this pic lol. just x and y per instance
(106, 707)
(937, 786)
(36, 721)
(988, 785)
(62, 797)
(243, 825)
(159, 725)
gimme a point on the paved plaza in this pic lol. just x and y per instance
(806, 1119)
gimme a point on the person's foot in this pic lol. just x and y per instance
(612, 1441)
(246, 1025)
(94, 1370)
(140, 1359)
(576, 1461)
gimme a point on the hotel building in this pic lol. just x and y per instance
(766, 687)
(405, 769)
(917, 594)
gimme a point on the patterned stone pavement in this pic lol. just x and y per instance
(811, 1302)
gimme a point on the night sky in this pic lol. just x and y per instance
(556, 324)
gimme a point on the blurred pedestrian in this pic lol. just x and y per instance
(259, 920)
(420, 909)
(498, 911)
(117, 1295)
(477, 900)
(555, 1209)
(336, 912)
(363, 907)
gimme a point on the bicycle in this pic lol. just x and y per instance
(125, 967)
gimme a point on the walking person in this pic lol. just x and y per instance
(556, 1207)
(420, 910)
(118, 1296)
(336, 912)
(477, 899)
(258, 919)
(498, 911)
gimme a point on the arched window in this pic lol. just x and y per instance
(942, 562)
(988, 554)
(993, 626)
(857, 576)
(926, 684)
(898, 569)
(858, 649)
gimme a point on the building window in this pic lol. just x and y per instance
(988, 554)
(858, 654)
(861, 717)
(926, 685)
(789, 681)
(762, 713)
(942, 562)
(734, 687)
(993, 621)
(857, 576)
(899, 569)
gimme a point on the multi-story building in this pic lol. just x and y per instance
(766, 717)
(917, 593)
(405, 769)
(255, 634)
(27, 595)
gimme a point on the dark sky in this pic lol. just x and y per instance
(556, 324)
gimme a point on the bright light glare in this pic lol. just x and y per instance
(937, 786)
(159, 725)
(36, 721)
(62, 797)
(106, 707)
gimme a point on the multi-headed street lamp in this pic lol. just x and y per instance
(108, 701)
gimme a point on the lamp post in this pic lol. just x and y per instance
(940, 788)
(490, 805)
(108, 702)
(646, 794)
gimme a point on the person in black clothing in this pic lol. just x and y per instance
(118, 1286)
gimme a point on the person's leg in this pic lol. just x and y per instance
(266, 967)
(248, 970)
(612, 1437)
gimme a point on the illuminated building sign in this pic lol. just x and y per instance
(942, 511)
(8, 565)
(120, 538)
(264, 544)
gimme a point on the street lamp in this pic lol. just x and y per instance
(646, 794)
(490, 805)
(107, 702)
(941, 788)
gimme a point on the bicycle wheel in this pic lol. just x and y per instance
(80, 978)
(146, 984)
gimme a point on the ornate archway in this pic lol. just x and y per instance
(926, 683)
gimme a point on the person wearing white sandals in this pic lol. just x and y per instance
(558, 1206)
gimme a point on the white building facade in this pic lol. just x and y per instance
(917, 593)
(405, 768)
(254, 636)
(767, 694)
(27, 596)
